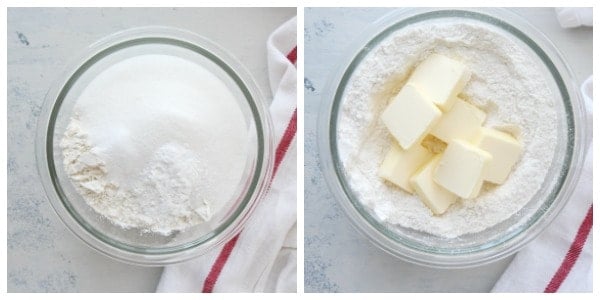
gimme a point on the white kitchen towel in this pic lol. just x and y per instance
(560, 259)
(570, 17)
(262, 258)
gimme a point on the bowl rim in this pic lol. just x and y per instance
(260, 172)
(332, 166)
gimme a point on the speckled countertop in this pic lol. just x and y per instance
(338, 258)
(43, 256)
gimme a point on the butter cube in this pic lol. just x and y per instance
(441, 79)
(505, 151)
(476, 190)
(399, 165)
(463, 122)
(410, 116)
(437, 198)
(461, 169)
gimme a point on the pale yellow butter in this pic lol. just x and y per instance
(399, 165)
(441, 79)
(461, 169)
(476, 190)
(410, 116)
(437, 198)
(505, 151)
(463, 122)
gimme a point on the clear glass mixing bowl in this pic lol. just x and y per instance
(134, 245)
(506, 237)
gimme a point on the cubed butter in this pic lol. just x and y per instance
(399, 165)
(410, 116)
(462, 122)
(437, 198)
(461, 169)
(505, 151)
(441, 79)
(476, 190)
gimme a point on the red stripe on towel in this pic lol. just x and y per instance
(572, 255)
(217, 267)
(292, 55)
(285, 142)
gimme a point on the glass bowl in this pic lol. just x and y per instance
(134, 245)
(506, 237)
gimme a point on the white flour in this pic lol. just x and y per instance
(507, 83)
(157, 143)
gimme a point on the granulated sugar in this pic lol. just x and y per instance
(156, 142)
(507, 83)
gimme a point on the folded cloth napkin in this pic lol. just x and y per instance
(262, 258)
(560, 259)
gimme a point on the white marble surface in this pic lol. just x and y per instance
(338, 258)
(43, 256)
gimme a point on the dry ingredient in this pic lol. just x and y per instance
(505, 84)
(156, 142)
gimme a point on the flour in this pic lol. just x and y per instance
(507, 83)
(156, 143)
